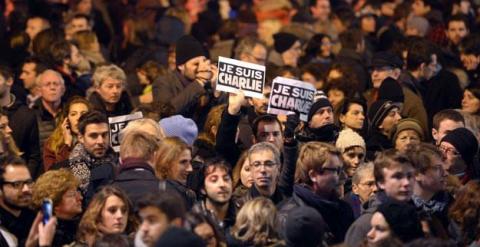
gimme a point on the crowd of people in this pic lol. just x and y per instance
(388, 154)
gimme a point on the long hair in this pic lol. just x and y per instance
(237, 171)
(465, 211)
(8, 143)
(256, 222)
(93, 215)
(57, 139)
(170, 150)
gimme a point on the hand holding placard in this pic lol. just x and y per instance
(235, 102)
(235, 75)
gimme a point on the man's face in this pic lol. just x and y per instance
(366, 187)
(258, 55)
(398, 182)
(110, 90)
(71, 204)
(270, 132)
(154, 224)
(390, 121)
(322, 117)
(353, 157)
(444, 128)
(450, 155)
(17, 187)
(193, 67)
(321, 11)
(265, 169)
(261, 105)
(34, 26)
(51, 87)
(79, 24)
(326, 180)
(435, 178)
(456, 31)
(380, 74)
(96, 139)
(28, 75)
(218, 185)
(419, 8)
(290, 57)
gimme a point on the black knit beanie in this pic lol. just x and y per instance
(284, 41)
(179, 237)
(402, 219)
(391, 90)
(304, 227)
(464, 141)
(187, 47)
(320, 100)
(378, 111)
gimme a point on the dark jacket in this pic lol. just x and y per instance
(136, 178)
(354, 201)
(189, 197)
(175, 89)
(25, 133)
(123, 107)
(377, 142)
(337, 214)
(357, 232)
(18, 226)
(435, 211)
(65, 232)
(225, 141)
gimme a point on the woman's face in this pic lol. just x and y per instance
(114, 216)
(335, 96)
(406, 137)
(74, 113)
(380, 229)
(470, 103)
(354, 117)
(326, 47)
(206, 232)
(70, 205)
(84, 7)
(246, 174)
(368, 24)
(183, 166)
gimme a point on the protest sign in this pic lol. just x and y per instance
(235, 75)
(117, 124)
(290, 96)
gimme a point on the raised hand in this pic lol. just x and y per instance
(235, 102)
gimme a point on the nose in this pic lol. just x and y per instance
(144, 228)
(362, 117)
(8, 130)
(371, 234)
(374, 188)
(270, 138)
(189, 167)
(26, 188)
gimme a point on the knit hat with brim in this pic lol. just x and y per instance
(407, 124)
(348, 138)
(378, 112)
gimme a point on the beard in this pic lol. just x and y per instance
(217, 203)
(11, 204)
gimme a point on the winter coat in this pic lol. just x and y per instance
(123, 106)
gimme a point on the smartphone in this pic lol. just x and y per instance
(46, 210)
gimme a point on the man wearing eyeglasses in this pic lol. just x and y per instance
(16, 196)
(264, 158)
(318, 185)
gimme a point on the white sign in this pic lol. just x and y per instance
(235, 75)
(289, 96)
(117, 124)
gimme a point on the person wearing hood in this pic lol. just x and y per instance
(319, 171)
(320, 125)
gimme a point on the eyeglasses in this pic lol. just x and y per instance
(368, 183)
(330, 170)
(448, 150)
(268, 164)
(51, 83)
(19, 184)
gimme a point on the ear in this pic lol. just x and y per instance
(213, 130)
(81, 138)
(381, 185)
(176, 222)
(435, 134)
(9, 82)
(341, 118)
(419, 177)
(254, 139)
(355, 189)
(181, 67)
(312, 175)
(203, 191)
(396, 73)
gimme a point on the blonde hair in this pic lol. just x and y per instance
(137, 125)
(138, 144)
(312, 156)
(88, 226)
(85, 39)
(237, 171)
(53, 184)
(108, 71)
(213, 120)
(169, 151)
(256, 222)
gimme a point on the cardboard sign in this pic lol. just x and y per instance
(289, 96)
(235, 75)
(117, 124)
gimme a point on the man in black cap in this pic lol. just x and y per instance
(287, 49)
(388, 65)
(383, 116)
(192, 78)
(320, 126)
